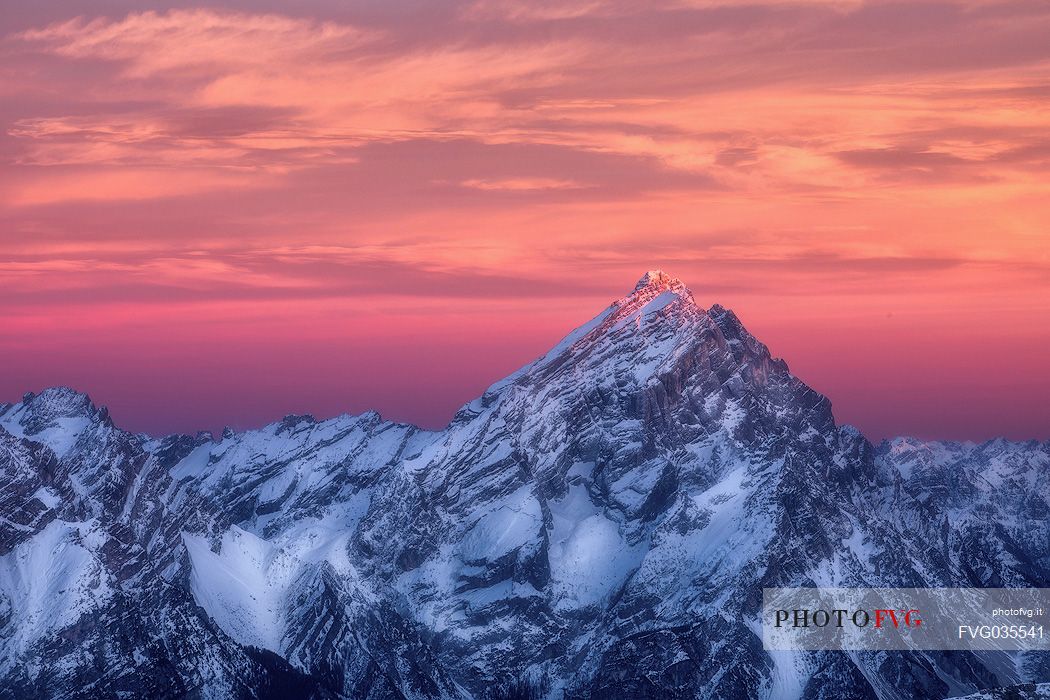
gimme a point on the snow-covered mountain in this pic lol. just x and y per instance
(599, 524)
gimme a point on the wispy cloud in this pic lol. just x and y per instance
(522, 184)
(193, 41)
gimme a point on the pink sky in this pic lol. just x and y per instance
(219, 215)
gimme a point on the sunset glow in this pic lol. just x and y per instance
(232, 212)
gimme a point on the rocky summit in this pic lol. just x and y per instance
(599, 524)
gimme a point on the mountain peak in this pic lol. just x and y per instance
(59, 402)
(654, 290)
(658, 279)
(52, 406)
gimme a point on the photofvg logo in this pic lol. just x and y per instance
(840, 617)
(906, 618)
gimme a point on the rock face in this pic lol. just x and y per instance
(599, 524)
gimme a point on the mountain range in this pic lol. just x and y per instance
(599, 524)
